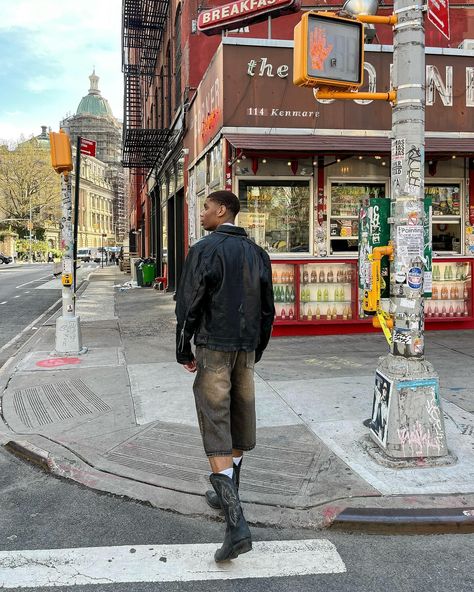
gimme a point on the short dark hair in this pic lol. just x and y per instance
(227, 199)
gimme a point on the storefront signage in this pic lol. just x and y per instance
(241, 13)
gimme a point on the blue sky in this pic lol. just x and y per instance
(48, 49)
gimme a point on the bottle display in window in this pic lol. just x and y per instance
(326, 292)
(451, 293)
(283, 277)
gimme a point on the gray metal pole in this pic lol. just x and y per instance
(407, 421)
(68, 331)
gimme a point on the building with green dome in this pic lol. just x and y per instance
(94, 120)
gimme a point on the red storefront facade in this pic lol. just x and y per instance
(301, 169)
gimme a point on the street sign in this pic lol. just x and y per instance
(329, 52)
(241, 13)
(88, 147)
(438, 14)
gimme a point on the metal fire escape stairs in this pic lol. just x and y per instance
(143, 25)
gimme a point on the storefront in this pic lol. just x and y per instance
(302, 168)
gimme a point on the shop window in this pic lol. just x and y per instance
(446, 209)
(276, 214)
(346, 200)
(216, 167)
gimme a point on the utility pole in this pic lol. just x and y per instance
(68, 330)
(407, 420)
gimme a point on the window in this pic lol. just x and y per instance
(162, 105)
(446, 210)
(276, 214)
(346, 200)
(177, 57)
(169, 110)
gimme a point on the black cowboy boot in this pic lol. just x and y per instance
(211, 496)
(237, 538)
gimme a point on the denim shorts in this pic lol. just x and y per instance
(224, 392)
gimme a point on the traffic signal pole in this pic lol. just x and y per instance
(68, 330)
(407, 386)
(407, 421)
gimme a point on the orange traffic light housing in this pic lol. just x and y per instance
(328, 52)
(61, 153)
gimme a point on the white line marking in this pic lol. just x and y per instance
(164, 563)
(33, 281)
(4, 302)
(31, 325)
(18, 296)
(27, 292)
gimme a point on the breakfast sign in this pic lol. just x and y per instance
(243, 12)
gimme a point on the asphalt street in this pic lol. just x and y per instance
(26, 292)
(41, 512)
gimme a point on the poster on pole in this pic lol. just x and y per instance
(438, 15)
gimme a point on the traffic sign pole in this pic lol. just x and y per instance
(76, 206)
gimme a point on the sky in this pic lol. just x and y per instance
(48, 49)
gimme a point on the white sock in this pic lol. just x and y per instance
(227, 472)
(237, 460)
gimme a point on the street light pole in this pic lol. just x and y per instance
(407, 386)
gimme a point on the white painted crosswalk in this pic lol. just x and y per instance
(164, 563)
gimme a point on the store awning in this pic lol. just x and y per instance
(322, 144)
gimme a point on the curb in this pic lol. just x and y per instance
(405, 521)
(29, 452)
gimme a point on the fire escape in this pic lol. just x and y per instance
(143, 24)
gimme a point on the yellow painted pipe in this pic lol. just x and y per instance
(364, 96)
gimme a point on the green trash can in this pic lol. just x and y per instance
(149, 273)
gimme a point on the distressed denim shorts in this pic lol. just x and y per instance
(224, 392)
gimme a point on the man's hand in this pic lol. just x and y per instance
(191, 366)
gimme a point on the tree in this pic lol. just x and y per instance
(27, 181)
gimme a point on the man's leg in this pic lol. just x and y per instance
(212, 394)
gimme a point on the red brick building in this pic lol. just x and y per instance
(170, 130)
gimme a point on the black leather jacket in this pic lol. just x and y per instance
(225, 295)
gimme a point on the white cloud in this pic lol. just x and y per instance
(68, 39)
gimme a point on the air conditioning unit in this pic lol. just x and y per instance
(467, 44)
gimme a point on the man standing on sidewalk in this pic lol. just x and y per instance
(225, 299)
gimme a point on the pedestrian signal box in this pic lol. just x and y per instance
(329, 52)
(61, 155)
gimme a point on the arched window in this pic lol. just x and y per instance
(177, 57)
(162, 102)
(169, 81)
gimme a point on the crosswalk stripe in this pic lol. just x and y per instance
(164, 563)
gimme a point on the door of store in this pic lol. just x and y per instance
(179, 233)
(171, 245)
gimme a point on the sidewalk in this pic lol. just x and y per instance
(121, 418)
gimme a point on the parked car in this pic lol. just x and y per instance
(5, 259)
(84, 255)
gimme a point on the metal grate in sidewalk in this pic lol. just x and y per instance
(51, 403)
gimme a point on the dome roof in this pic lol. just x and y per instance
(94, 103)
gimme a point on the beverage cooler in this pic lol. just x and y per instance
(321, 296)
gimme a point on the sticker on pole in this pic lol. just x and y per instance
(438, 15)
(415, 278)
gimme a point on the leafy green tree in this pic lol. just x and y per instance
(27, 180)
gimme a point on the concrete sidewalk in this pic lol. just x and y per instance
(121, 418)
